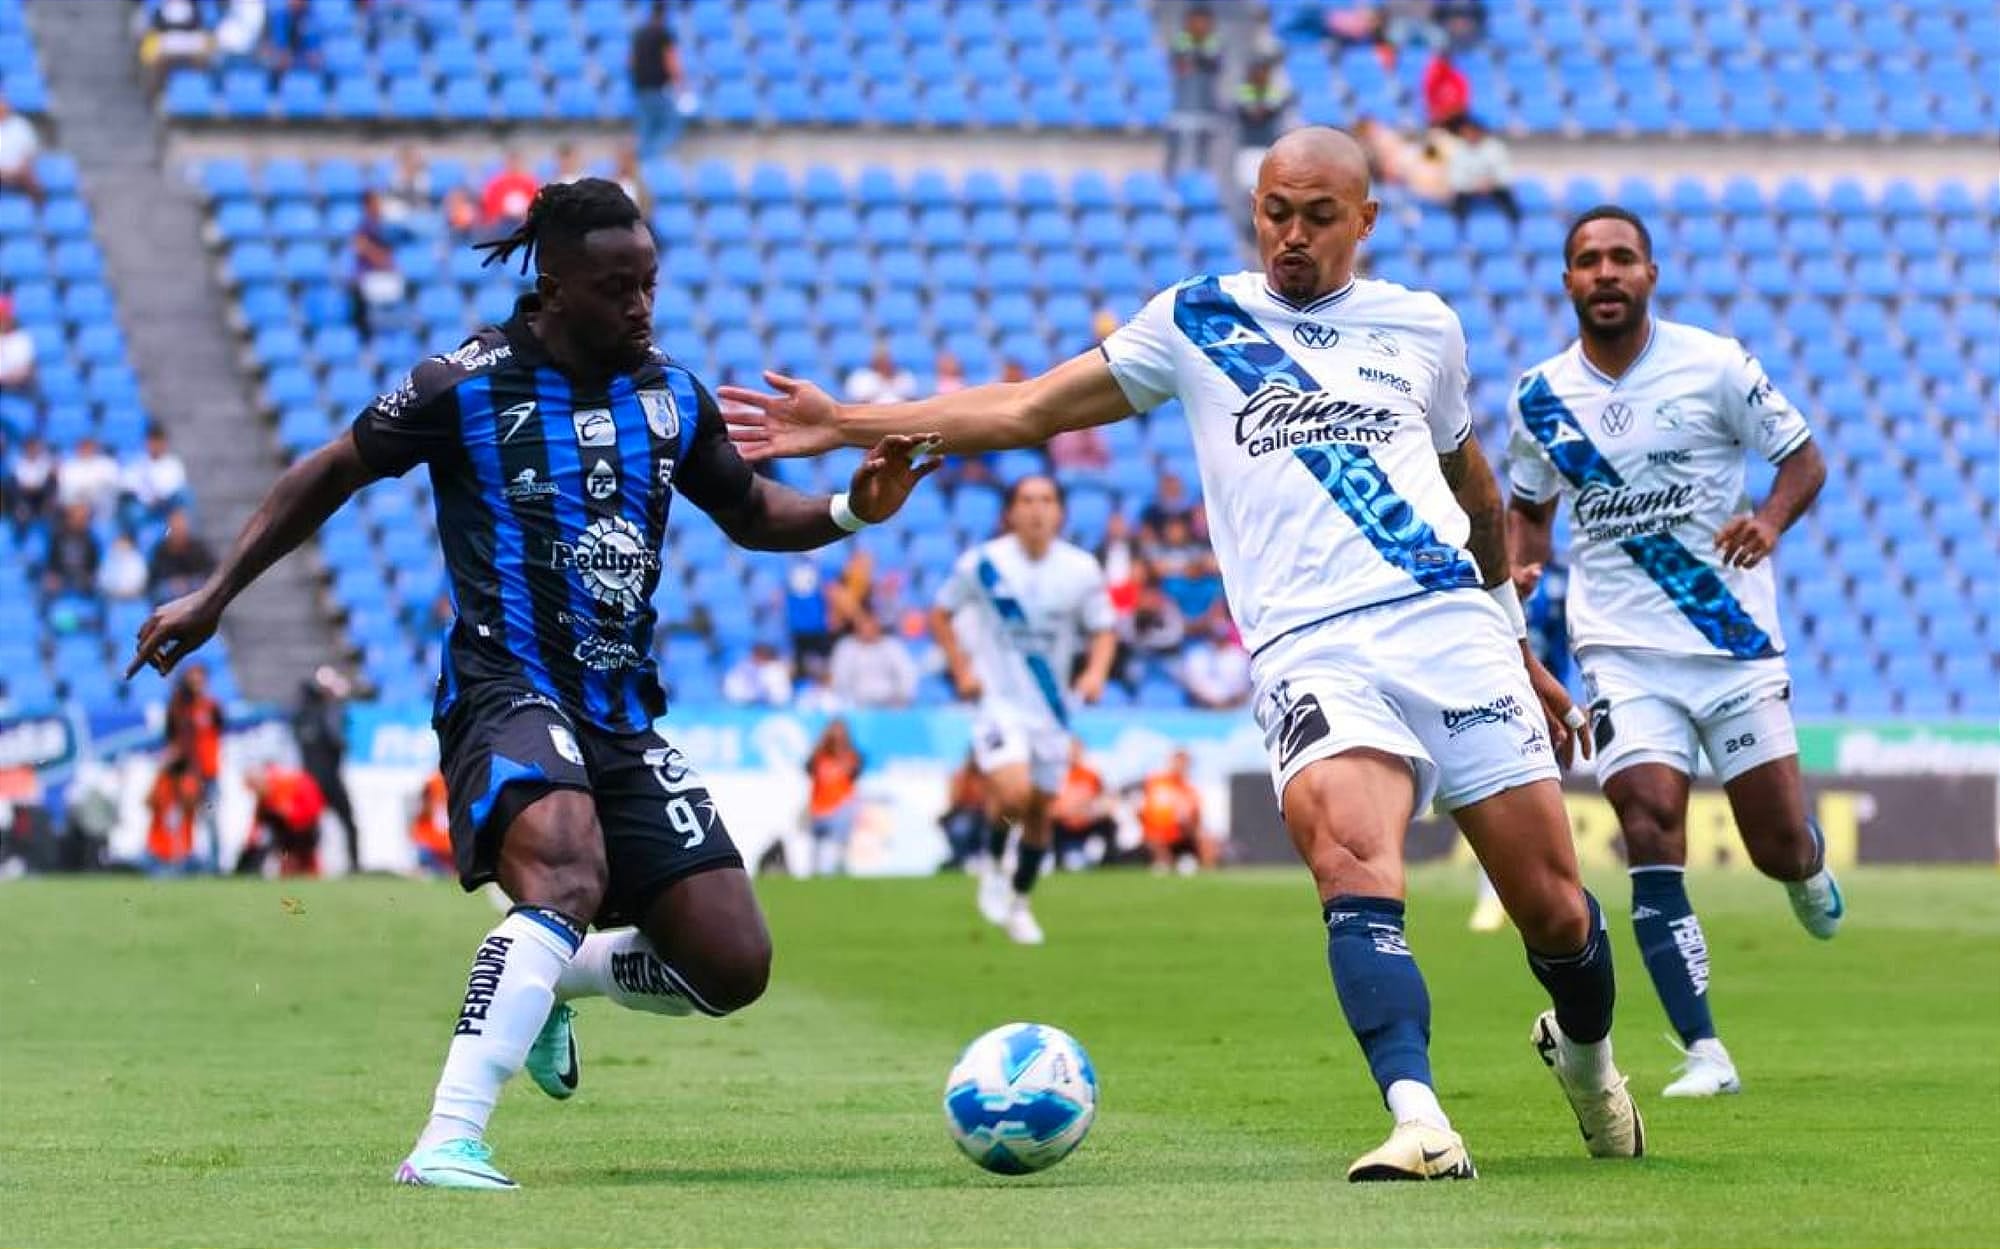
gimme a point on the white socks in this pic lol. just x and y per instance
(1413, 1102)
(623, 966)
(1587, 1065)
(508, 996)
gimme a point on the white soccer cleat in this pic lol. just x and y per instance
(996, 894)
(1817, 903)
(1021, 926)
(1705, 1071)
(1488, 915)
(1415, 1151)
(1605, 1111)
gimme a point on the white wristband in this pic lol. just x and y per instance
(1510, 606)
(844, 516)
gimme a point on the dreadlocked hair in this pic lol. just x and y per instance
(561, 214)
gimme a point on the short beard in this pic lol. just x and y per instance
(1591, 328)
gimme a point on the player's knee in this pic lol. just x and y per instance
(1652, 834)
(1782, 854)
(737, 971)
(1556, 922)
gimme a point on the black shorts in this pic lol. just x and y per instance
(503, 747)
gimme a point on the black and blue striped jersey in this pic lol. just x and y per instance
(552, 501)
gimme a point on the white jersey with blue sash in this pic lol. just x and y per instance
(1023, 622)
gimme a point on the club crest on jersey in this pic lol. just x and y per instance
(1314, 335)
(611, 559)
(1384, 343)
(601, 482)
(663, 415)
(1667, 416)
(594, 427)
(565, 743)
(1617, 418)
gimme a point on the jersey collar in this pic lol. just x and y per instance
(1324, 302)
(1652, 332)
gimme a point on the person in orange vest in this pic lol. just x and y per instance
(184, 795)
(1170, 817)
(1081, 815)
(833, 767)
(285, 820)
(430, 831)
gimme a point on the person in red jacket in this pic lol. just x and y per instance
(1447, 93)
(286, 820)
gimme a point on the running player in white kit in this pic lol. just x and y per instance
(1362, 543)
(1011, 620)
(1641, 424)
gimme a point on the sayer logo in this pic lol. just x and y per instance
(1499, 711)
(488, 963)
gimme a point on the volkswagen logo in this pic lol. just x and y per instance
(1313, 334)
(1617, 417)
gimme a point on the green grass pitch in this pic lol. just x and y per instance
(239, 1064)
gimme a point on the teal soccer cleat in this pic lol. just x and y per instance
(552, 1061)
(462, 1163)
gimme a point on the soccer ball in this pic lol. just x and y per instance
(1021, 1098)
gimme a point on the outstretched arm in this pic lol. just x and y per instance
(771, 516)
(799, 419)
(298, 504)
(1746, 540)
(1531, 539)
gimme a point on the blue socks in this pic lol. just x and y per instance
(1381, 991)
(1674, 948)
(1580, 984)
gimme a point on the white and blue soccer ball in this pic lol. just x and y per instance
(1021, 1098)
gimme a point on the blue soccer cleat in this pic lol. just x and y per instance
(461, 1163)
(552, 1063)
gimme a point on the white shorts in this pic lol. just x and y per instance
(1000, 741)
(1654, 707)
(1437, 680)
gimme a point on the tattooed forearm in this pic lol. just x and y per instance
(1478, 494)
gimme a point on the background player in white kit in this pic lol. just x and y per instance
(1357, 524)
(1011, 620)
(1642, 424)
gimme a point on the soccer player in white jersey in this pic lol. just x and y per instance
(1011, 620)
(1641, 424)
(1362, 543)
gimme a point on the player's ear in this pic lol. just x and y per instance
(549, 287)
(1369, 208)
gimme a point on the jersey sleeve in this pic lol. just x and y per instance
(959, 587)
(713, 476)
(1096, 610)
(1450, 410)
(1141, 354)
(1530, 475)
(1756, 411)
(410, 424)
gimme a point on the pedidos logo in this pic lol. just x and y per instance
(613, 561)
(1500, 711)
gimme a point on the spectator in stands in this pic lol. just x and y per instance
(1447, 91)
(881, 380)
(832, 770)
(155, 482)
(508, 193)
(1215, 670)
(319, 730)
(631, 179)
(1170, 818)
(240, 31)
(31, 483)
(950, 375)
(1081, 815)
(871, 669)
(71, 564)
(176, 36)
(1119, 553)
(1197, 69)
(1185, 566)
(284, 820)
(122, 575)
(88, 476)
(656, 83)
(1080, 450)
(461, 215)
(849, 598)
(294, 38)
(181, 561)
(968, 820)
(1263, 105)
(430, 828)
(807, 619)
(761, 678)
(1155, 628)
(17, 347)
(405, 202)
(1395, 161)
(1479, 171)
(1170, 502)
(19, 145)
(1410, 24)
(569, 164)
(192, 759)
(1463, 21)
(378, 287)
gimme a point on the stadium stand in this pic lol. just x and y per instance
(1043, 63)
(1841, 67)
(67, 645)
(1875, 311)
